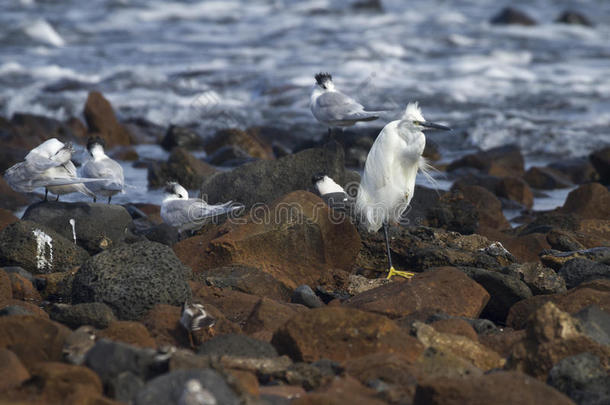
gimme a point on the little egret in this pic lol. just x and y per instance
(100, 166)
(333, 108)
(388, 182)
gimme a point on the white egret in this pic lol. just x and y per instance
(100, 166)
(388, 182)
(333, 108)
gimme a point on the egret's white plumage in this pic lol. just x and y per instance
(48, 165)
(388, 182)
(100, 166)
(184, 213)
(333, 108)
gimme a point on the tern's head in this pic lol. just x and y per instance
(176, 191)
(317, 178)
(414, 119)
(324, 81)
(95, 146)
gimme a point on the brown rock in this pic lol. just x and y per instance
(245, 381)
(551, 335)
(588, 201)
(601, 161)
(446, 289)
(283, 391)
(325, 333)
(488, 207)
(595, 292)
(515, 189)
(455, 326)
(133, 333)
(525, 248)
(6, 218)
(23, 289)
(182, 167)
(12, 371)
(249, 141)
(342, 390)
(461, 346)
(57, 286)
(501, 161)
(6, 291)
(545, 178)
(577, 170)
(393, 369)
(436, 363)
(102, 121)
(34, 309)
(32, 338)
(267, 316)
(298, 244)
(502, 388)
(163, 323)
(503, 341)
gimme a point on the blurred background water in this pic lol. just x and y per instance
(216, 64)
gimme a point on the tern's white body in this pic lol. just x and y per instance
(328, 186)
(47, 165)
(388, 182)
(333, 108)
(100, 166)
(189, 214)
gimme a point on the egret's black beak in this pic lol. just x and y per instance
(433, 125)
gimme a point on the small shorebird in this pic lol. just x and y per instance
(100, 166)
(333, 108)
(333, 194)
(194, 317)
(388, 182)
(48, 165)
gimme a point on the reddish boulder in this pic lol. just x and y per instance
(249, 141)
(552, 335)
(10, 200)
(455, 326)
(163, 323)
(12, 371)
(590, 200)
(296, 241)
(23, 289)
(501, 161)
(545, 178)
(487, 205)
(339, 333)
(102, 121)
(502, 388)
(6, 218)
(342, 390)
(32, 338)
(6, 290)
(446, 289)
(503, 341)
(133, 333)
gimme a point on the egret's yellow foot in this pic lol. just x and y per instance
(394, 272)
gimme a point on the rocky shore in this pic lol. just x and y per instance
(304, 315)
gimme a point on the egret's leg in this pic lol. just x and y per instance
(393, 271)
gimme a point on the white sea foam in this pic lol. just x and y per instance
(40, 30)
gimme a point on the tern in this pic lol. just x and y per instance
(100, 166)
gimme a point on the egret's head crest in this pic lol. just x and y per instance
(413, 112)
(322, 78)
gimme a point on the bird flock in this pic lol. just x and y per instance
(385, 191)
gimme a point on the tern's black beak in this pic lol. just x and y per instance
(433, 125)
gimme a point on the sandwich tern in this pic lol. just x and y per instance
(100, 166)
(333, 194)
(184, 213)
(388, 182)
(194, 317)
(333, 108)
(48, 165)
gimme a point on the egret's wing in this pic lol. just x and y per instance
(336, 106)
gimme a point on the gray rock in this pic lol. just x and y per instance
(510, 15)
(125, 387)
(38, 249)
(131, 279)
(573, 17)
(97, 226)
(582, 378)
(10, 310)
(266, 180)
(181, 166)
(504, 290)
(601, 161)
(237, 345)
(579, 170)
(110, 359)
(304, 295)
(183, 137)
(249, 280)
(167, 389)
(578, 271)
(595, 323)
(20, 271)
(96, 314)
(540, 279)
